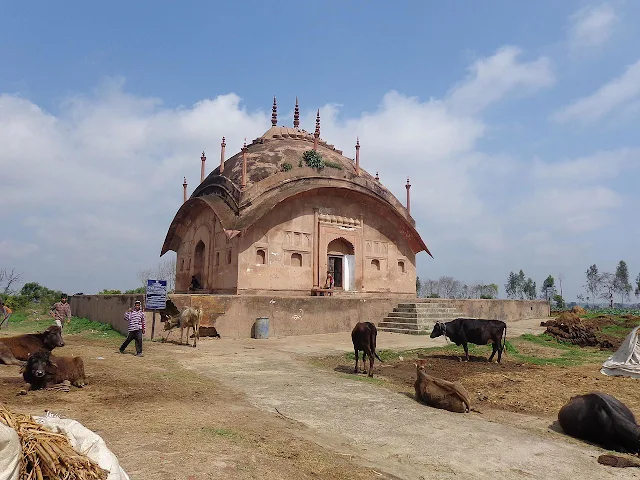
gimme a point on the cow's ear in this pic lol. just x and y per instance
(53, 364)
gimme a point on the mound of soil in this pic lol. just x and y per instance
(578, 310)
(569, 327)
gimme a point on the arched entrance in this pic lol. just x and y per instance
(198, 263)
(341, 263)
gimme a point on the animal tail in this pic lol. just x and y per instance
(374, 334)
(504, 338)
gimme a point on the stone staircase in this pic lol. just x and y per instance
(418, 318)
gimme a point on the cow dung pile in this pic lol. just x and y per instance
(47, 455)
(569, 327)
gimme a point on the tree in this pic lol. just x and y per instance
(521, 284)
(559, 301)
(529, 289)
(560, 280)
(8, 278)
(621, 283)
(511, 287)
(164, 271)
(593, 281)
(637, 292)
(607, 287)
(548, 288)
(418, 286)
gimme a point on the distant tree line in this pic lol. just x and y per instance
(449, 287)
(605, 285)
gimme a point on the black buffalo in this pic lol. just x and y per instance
(601, 419)
(474, 330)
(364, 336)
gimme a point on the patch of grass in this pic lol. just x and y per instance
(616, 330)
(220, 432)
(84, 325)
(363, 378)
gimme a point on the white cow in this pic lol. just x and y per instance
(190, 317)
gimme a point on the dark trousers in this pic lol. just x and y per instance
(135, 335)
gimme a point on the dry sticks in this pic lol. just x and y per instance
(47, 455)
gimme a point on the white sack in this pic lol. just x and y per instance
(626, 361)
(87, 442)
(10, 451)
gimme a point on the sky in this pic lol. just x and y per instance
(515, 121)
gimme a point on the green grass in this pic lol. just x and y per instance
(220, 432)
(24, 322)
(363, 378)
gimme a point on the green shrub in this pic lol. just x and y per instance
(332, 165)
(286, 166)
(313, 159)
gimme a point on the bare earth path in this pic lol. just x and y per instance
(385, 430)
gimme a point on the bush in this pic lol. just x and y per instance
(286, 166)
(313, 159)
(332, 165)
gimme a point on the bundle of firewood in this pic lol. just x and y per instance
(47, 455)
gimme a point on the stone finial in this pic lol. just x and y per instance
(377, 177)
(244, 164)
(184, 190)
(408, 187)
(222, 148)
(204, 159)
(316, 135)
(274, 113)
(296, 115)
(357, 156)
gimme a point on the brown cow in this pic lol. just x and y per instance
(14, 349)
(190, 317)
(439, 393)
(44, 370)
(363, 337)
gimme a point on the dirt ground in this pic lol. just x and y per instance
(270, 409)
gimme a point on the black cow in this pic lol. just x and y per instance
(602, 419)
(364, 336)
(474, 330)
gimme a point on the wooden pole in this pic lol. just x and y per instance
(153, 324)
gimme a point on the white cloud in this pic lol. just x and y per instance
(493, 78)
(616, 94)
(591, 26)
(596, 167)
(11, 250)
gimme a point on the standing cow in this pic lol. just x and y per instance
(602, 419)
(474, 330)
(190, 317)
(16, 350)
(363, 337)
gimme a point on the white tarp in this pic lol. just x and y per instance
(9, 453)
(80, 438)
(626, 361)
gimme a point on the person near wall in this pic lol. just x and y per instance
(195, 284)
(135, 319)
(328, 283)
(61, 310)
(5, 313)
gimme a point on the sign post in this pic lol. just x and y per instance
(156, 299)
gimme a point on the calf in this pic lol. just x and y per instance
(474, 330)
(602, 419)
(439, 393)
(190, 317)
(15, 349)
(363, 337)
(44, 370)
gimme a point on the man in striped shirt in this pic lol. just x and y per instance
(135, 318)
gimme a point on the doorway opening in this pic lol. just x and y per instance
(340, 263)
(198, 263)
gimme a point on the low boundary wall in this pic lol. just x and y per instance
(234, 316)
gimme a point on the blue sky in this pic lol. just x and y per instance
(517, 122)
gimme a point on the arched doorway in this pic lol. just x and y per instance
(198, 263)
(341, 263)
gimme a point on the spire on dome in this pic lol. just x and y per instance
(274, 112)
(296, 115)
(316, 135)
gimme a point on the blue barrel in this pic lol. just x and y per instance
(262, 328)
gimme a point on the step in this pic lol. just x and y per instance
(407, 326)
(404, 331)
(431, 309)
(450, 315)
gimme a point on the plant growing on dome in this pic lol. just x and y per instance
(286, 166)
(313, 159)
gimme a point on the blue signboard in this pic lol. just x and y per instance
(156, 294)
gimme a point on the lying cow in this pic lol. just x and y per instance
(190, 317)
(15, 349)
(363, 337)
(44, 370)
(602, 419)
(439, 393)
(474, 330)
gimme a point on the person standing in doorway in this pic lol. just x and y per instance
(135, 318)
(61, 310)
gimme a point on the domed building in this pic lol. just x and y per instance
(285, 210)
